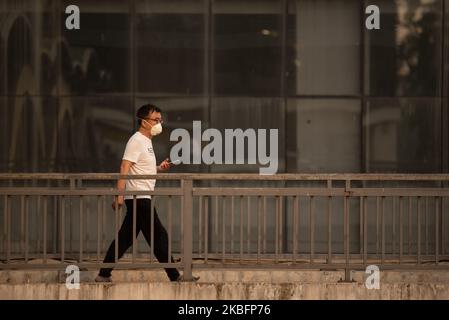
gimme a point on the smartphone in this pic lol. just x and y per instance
(174, 162)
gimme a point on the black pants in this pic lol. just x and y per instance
(125, 236)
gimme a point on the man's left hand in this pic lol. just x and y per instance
(165, 165)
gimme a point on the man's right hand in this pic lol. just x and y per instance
(118, 202)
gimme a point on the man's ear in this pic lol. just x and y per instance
(145, 121)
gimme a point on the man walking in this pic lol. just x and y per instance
(139, 158)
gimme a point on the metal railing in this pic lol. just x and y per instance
(313, 221)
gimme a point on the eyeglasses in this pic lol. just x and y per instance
(156, 120)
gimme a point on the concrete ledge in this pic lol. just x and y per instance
(231, 291)
(225, 284)
(208, 276)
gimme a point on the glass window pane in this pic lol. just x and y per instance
(25, 38)
(403, 58)
(403, 135)
(28, 141)
(247, 47)
(323, 135)
(170, 44)
(96, 58)
(250, 113)
(92, 133)
(323, 47)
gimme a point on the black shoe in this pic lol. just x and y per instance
(103, 279)
(181, 279)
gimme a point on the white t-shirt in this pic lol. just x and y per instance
(139, 150)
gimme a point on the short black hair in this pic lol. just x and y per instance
(146, 110)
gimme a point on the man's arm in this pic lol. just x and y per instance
(121, 183)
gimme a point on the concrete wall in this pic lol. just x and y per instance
(226, 284)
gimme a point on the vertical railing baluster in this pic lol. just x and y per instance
(295, 227)
(22, 223)
(259, 226)
(276, 228)
(443, 231)
(427, 225)
(264, 224)
(223, 230)
(200, 226)
(81, 229)
(99, 210)
(401, 227)
(103, 217)
(365, 231)
(187, 211)
(170, 227)
(393, 224)
(248, 227)
(206, 229)
(437, 248)
(312, 228)
(6, 230)
(27, 216)
(45, 230)
(329, 230)
(419, 230)
(241, 229)
(409, 225)
(361, 224)
(134, 235)
(153, 203)
(346, 231)
(62, 229)
(116, 209)
(232, 224)
(377, 226)
(383, 230)
(216, 226)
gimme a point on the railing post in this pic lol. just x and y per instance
(187, 212)
(346, 209)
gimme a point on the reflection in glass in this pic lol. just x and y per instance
(96, 58)
(92, 133)
(323, 53)
(247, 47)
(28, 140)
(19, 71)
(170, 45)
(403, 58)
(403, 135)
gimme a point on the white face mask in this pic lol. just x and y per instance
(157, 129)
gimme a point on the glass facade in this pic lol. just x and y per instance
(344, 98)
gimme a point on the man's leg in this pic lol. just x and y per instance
(160, 236)
(125, 240)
